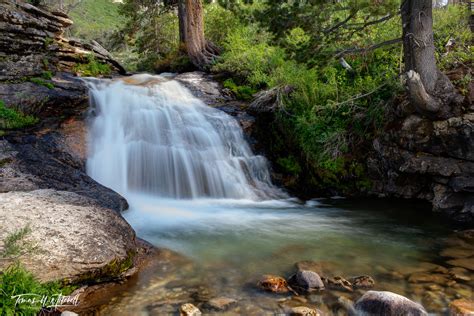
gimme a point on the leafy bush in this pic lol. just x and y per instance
(219, 22)
(241, 92)
(11, 119)
(290, 165)
(249, 56)
(92, 68)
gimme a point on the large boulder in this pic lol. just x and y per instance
(388, 304)
(72, 238)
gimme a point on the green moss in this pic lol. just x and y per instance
(110, 272)
(42, 82)
(5, 161)
(48, 75)
(12, 119)
(92, 67)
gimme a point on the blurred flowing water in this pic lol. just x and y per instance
(194, 186)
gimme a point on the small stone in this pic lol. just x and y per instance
(220, 303)
(306, 281)
(68, 313)
(362, 282)
(189, 309)
(303, 311)
(460, 274)
(273, 283)
(461, 307)
(388, 304)
(338, 283)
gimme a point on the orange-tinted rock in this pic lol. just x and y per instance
(461, 307)
(273, 283)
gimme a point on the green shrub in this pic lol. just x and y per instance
(241, 92)
(290, 165)
(219, 22)
(92, 68)
(12, 119)
(249, 56)
(15, 280)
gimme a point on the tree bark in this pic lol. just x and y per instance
(201, 52)
(182, 21)
(431, 92)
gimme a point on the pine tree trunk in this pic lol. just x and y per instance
(201, 52)
(182, 22)
(431, 92)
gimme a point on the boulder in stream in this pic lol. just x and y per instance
(273, 283)
(306, 281)
(388, 304)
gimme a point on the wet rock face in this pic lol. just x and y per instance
(69, 97)
(75, 237)
(418, 157)
(387, 303)
(45, 162)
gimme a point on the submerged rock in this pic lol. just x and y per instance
(306, 281)
(362, 282)
(273, 283)
(338, 283)
(467, 263)
(189, 309)
(461, 307)
(388, 304)
(303, 311)
(220, 303)
(427, 277)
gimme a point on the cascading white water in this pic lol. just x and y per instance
(149, 134)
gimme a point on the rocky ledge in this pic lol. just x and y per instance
(76, 232)
(430, 159)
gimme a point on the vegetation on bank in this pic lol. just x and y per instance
(13, 119)
(343, 81)
(342, 59)
(16, 281)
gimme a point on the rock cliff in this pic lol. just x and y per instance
(75, 222)
(431, 159)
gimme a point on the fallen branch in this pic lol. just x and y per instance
(367, 49)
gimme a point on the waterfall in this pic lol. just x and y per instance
(149, 134)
